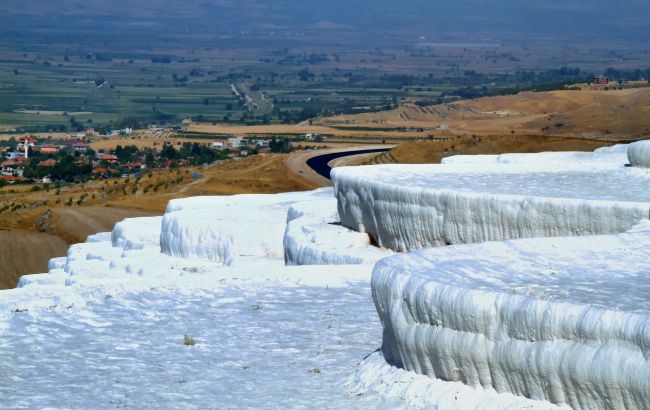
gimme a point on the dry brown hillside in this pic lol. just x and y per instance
(423, 152)
(609, 115)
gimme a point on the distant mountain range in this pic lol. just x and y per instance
(607, 18)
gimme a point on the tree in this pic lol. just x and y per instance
(279, 145)
(168, 152)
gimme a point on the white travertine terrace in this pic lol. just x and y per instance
(565, 320)
(639, 154)
(225, 229)
(314, 236)
(407, 207)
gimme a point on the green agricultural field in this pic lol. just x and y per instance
(86, 74)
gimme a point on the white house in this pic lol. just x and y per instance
(218, 144)
(235, 142)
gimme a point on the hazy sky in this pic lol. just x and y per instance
(600, 17)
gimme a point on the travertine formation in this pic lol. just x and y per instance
(541, 301)
(566, 320)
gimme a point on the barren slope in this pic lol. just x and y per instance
(609, 115)
(26, 252)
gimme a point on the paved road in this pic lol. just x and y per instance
(297, 161)
(321, 163)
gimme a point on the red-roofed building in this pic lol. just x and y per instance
(12, 179)
(104, 171)
(13, 166)
(134, 165)
(17, 161)
(48, 149)
(29, 139)
(47, 163)
(80, 146)
(111, 159)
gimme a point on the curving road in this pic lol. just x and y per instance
(298, 161)
(321, 163)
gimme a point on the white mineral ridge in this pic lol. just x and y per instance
(225, 229)
(407, 207)
(602, 158)
(99, 237)
(57, 263)
(137, 233)
(565, 320)
(43, 279)
(639, 154)
(314, 236)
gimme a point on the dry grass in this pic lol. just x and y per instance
(423, 152)
(280, 129)
(594, 114)
(609, 115)
(142, 142)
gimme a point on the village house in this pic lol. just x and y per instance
(47, 149)
(219, 144)
(80, 146)
(111, 159)
(235, 142)
(134, 166)
(10, 179)
(261, 142)
(47, 163)
(14, 166)
(104, 172)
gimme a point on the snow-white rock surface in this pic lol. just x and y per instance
(378, 377)
(602, 158)
(565, 320)
(407, 207)
(99, 237)
(137, 233)
(639, 154)
(288, 338)
(224, 229)
(314, 236)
